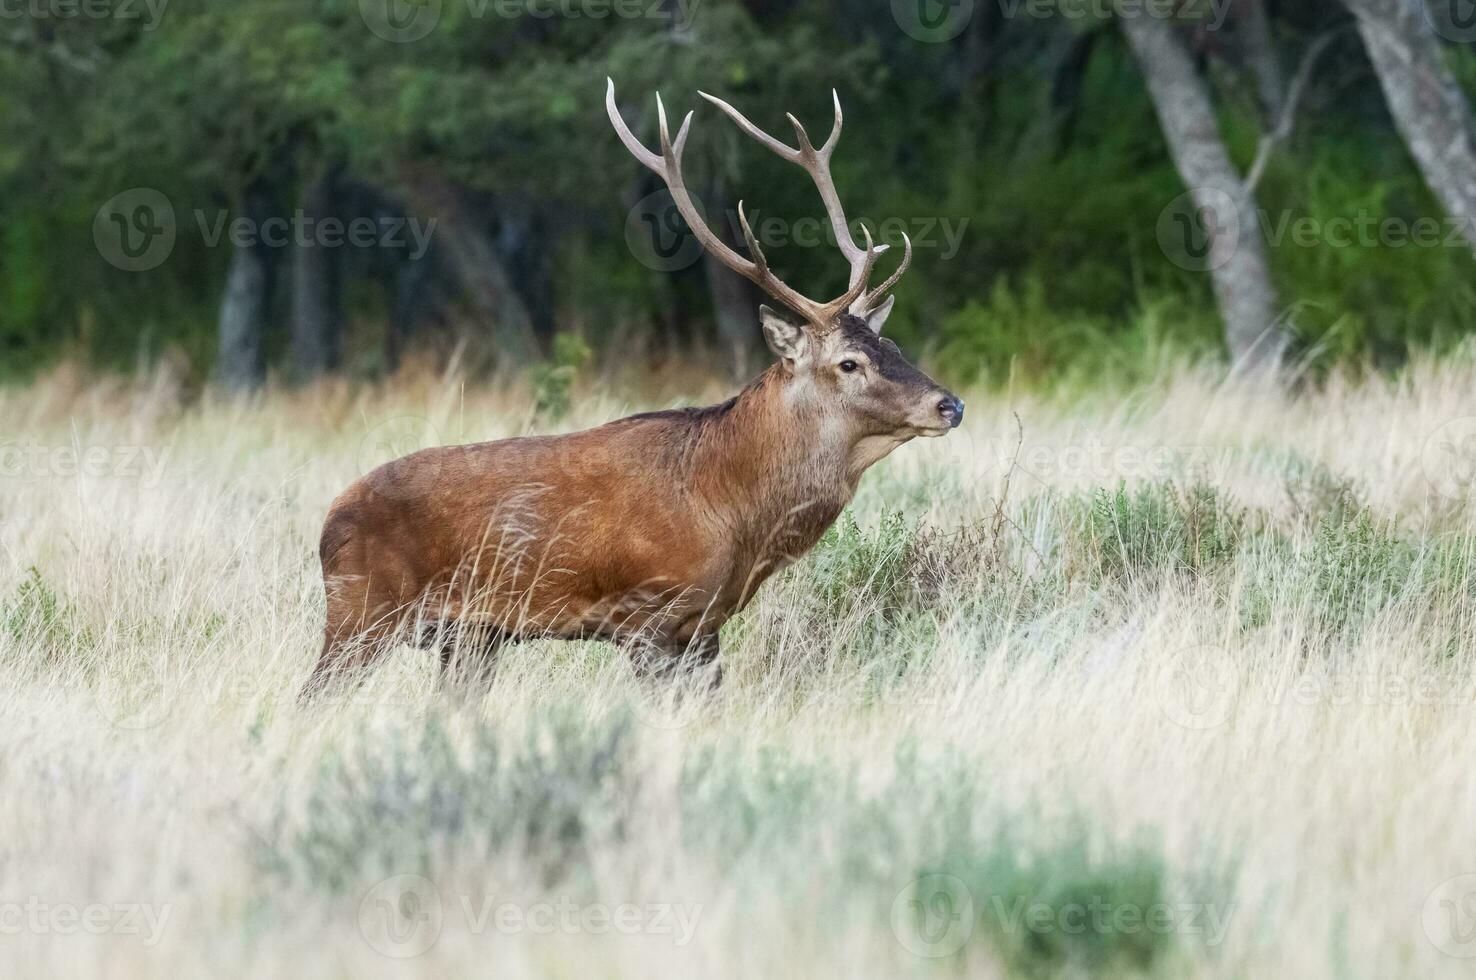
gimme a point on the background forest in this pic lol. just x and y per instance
(263, 189)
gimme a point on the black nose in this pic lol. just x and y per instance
(951, 408)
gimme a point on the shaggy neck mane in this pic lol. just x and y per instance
(768, 466)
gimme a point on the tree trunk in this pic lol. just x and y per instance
(240, 360)
(1241, 276)
(1427, 104)
(473, 259)
(317, 320)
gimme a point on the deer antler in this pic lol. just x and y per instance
(668, 167)
(817, 164)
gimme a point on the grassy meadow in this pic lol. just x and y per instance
(1173, 680)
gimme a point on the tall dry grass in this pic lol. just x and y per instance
(1176, 680)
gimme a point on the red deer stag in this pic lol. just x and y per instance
(652, 530)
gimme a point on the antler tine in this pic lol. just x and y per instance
(778, 147)
(748, 239)
(859, 277)
(817, 164)
(806, 148)
(648, 159)
(671, 153)
(869, 300)
(835, 127)
(668, 166)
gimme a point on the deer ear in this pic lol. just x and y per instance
(785, 338)
(878, 316)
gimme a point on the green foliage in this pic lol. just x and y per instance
(1356, 565)
(856, 569)
(553, 381)
(1034, 210)
(35, 615)
(807, 829)
(1316, 492)
(1347, 233)
(1157, 527)
(1025, 334)
(394, 803)
(808, 825)
(1344, 565)
(1068, 885)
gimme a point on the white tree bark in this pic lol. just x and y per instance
(1238, 266)
(1428, 106)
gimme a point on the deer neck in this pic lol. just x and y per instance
(773, 470)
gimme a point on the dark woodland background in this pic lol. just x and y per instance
(1092, 187)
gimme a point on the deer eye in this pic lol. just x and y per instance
(848, 366)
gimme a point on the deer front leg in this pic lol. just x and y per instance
(469, 655)
(680, 659)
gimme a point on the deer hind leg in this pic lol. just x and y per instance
(354, 641)
(345, 661)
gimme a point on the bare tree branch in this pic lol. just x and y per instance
(1287, 121)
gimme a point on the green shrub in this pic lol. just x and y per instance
(35, 614)
(1157, 527)
(394, 803)
(812, 829)
(854, 568)
(1351, 567)
(553, 381)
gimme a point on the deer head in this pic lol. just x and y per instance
(836, 361)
